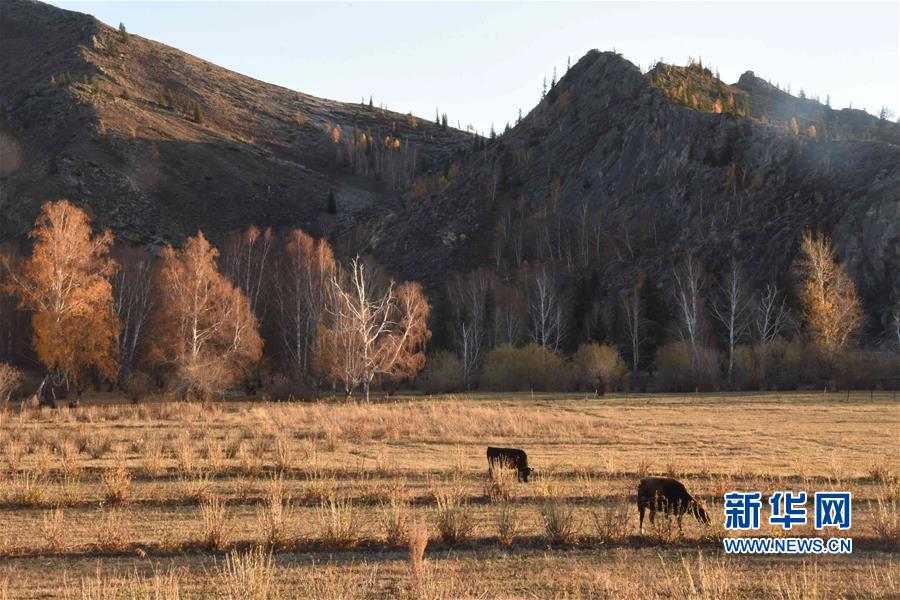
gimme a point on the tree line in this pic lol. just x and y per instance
(196, 319)
(281, 311)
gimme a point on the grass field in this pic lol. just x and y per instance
(334, 500)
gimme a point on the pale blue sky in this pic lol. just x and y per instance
(481, 62)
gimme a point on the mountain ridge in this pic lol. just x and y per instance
(649, 166)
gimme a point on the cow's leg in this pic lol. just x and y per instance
(641, 509)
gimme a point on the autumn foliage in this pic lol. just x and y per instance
(65, 284)
(206, 334)
(831, 307)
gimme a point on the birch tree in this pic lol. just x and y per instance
(134, 301)
(731, 309)
(65, 284)
(372, 331)
(205, 331)
(304, 273)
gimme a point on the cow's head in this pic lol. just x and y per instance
(699, 511)
(526, 472)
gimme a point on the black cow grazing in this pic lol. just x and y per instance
(670, 496)
(512, 458)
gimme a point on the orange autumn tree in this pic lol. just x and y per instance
(206, 334)
(831, 307)
(372, 330)
(65, 284)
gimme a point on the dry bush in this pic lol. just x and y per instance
(98, 443)
(508, 524)
(212, 453)
(284, 454)
(443, 373)
(153, 457)
(612, 523)
(111, 534)
(521, 369)
(338, 524)
(43, 459)
(10, 380)
(52, 528)
(274, 517)
(70, 464)
(454, 521)
(184, 453)
(599, 367)
(501, 481)
(196, 489)
(418, 540)
(395, 520)
(232, 446)
(560, 526)
(321, 487)
(215, 532)
(250, 462)
(117, 480)
(683, 370)
(887, 517)
(247, 575)
(12, 450)
(28, 489)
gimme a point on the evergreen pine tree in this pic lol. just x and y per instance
(332, 203)
(123, 33)
(371, 104)
(553, 81)
(544, 89)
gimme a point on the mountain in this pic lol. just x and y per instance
(614, 172)
(113, 125)
(617, 171)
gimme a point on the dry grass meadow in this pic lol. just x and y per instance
(392, 500)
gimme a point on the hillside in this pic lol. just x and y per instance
(609, 175)
(615, 172)
(111, 125)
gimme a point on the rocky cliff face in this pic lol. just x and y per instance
(609, 174)
(613, 172)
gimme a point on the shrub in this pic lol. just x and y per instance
(274, 517)
(507, 524)
(340, 528)
(54, 531)
(530, 368)
(395, 520)
(599, 367)
(454, 522)
(10, 380)
(683, 370)
(111, 535)
(501, 480)
(418, 540)
(559, 522)
(248, 575)
(443, 373)
(215, 533)
(118, 481)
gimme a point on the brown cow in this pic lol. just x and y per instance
(670, 496)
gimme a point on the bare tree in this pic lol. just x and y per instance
(688, 286)
(770, 316)
(468, 296)
(373, 332)
(545, 308)
(303, 284)
(245, 258)
(731, 308)
(631, 305)
(134, 300)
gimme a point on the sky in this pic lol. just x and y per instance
(482, 62)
